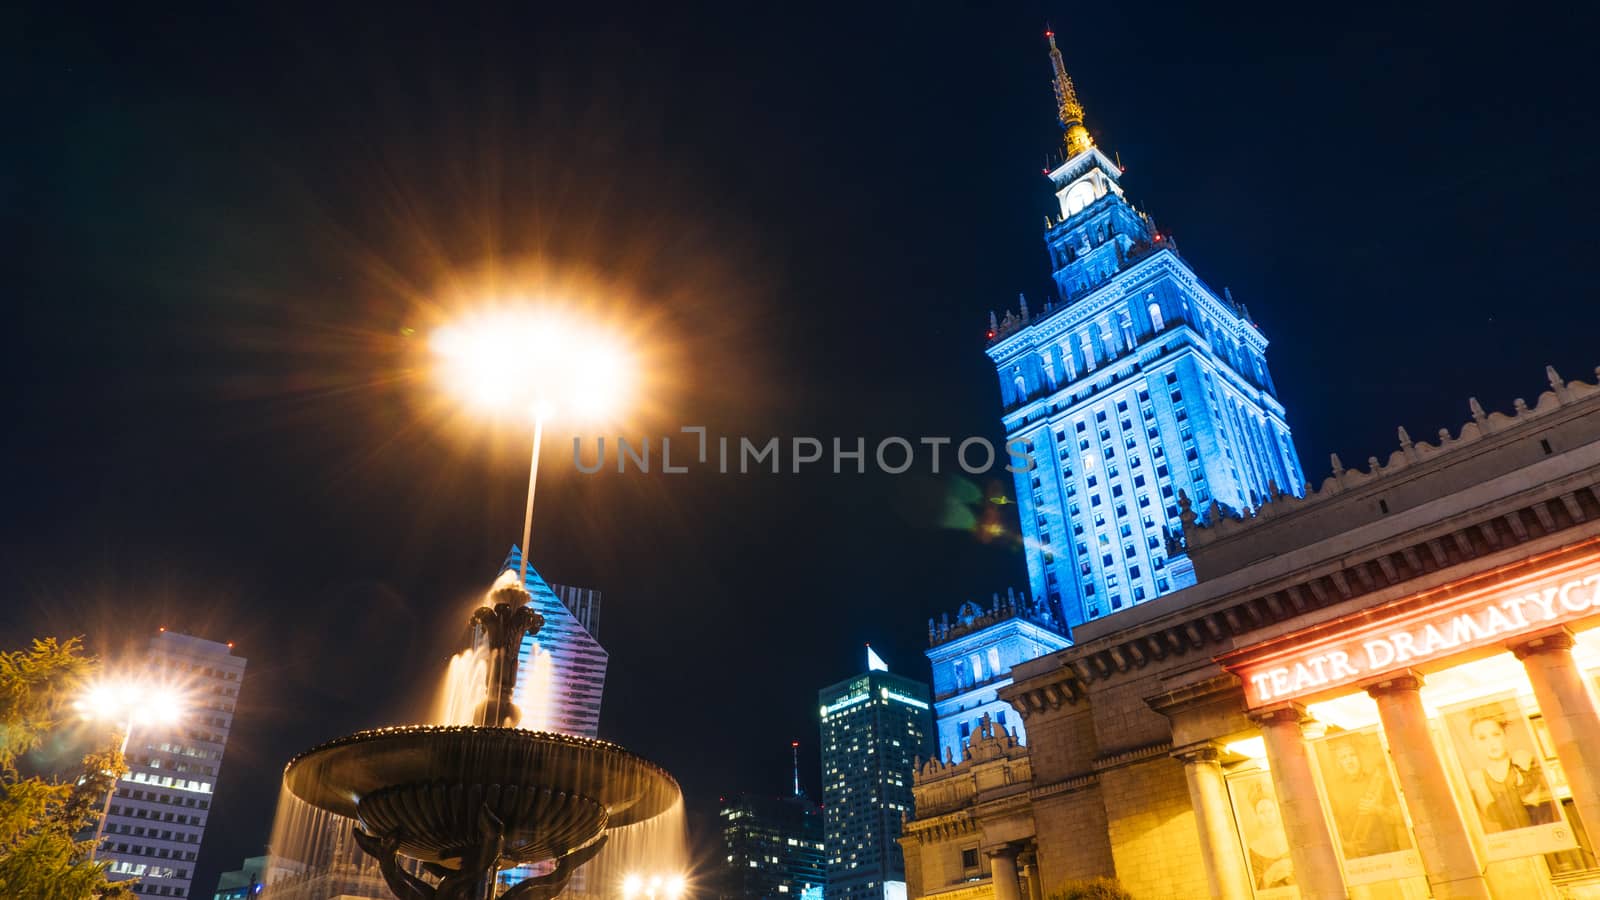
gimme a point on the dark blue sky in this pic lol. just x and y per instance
(221, 222)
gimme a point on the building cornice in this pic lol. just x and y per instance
(1556, 518)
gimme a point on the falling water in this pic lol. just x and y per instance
(462, 689)
(312, 855)
(655, 847)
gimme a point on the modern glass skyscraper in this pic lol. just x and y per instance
(874, 727)
(772, 847)
(1140, 383)
(562, 672)
(159, 812)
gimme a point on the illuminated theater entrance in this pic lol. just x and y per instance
(1449, 740)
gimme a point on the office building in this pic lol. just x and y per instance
(875, 727)
(772, 847)
(243, 883)
(562, 669)
(159, 812)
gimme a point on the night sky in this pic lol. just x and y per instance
(228, 233)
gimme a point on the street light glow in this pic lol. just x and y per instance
(132, 702)
(539, 364)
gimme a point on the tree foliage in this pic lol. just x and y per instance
(1092, 889)
(42, 853)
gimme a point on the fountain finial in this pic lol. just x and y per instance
(501, 622)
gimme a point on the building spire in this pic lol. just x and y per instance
(795, 747)
(1068, 109)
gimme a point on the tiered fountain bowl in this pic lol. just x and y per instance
(468, 801)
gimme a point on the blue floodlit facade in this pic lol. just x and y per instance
(1140, 383)
(874, 728)
(972, 658)
(561, 673)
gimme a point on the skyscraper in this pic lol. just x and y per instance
(772, 847)
(972, 659)
(159, 811)
(562, 672)
(874, 727)
(1141, 382)
(243, 883)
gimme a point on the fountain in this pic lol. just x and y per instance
(461, 803)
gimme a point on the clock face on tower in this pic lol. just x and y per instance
(1078, 196)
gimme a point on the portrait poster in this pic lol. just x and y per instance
(1507, 782)
(1266, 844)
(1364, 803)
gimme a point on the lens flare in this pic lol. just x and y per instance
(535, 363)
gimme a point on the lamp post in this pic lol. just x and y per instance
(534, 364)
(126, 703)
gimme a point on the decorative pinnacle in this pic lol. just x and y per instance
(1068, 108)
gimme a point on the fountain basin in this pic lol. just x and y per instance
(428, 785)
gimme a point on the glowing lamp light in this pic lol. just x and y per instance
(654, 887)
(540, 364)
(533, 363)
(131, 703)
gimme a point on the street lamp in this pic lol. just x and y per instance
(539, 365)
(127, 703)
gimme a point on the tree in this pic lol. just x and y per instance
(1093, 889)
(41, 853)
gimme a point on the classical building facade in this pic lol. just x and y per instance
(1385, 689)
(1140, 383)
(972, 658)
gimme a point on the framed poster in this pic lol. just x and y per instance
(1266, 845)
(1374, 836)
(1503, 768)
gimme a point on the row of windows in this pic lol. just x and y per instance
(153, 797)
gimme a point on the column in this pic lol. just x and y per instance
(1219, 848)
(1030, 875)
(1003, 871)
(1569, 711)
(1316, 865)
(1442, 838)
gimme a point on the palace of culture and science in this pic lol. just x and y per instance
(1140, 384)
(1140, 389)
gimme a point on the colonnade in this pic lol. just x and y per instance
(1449, 858)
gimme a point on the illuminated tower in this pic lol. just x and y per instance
(1138, 384)
(874, 727)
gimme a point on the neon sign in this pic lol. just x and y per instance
(1474, 619)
